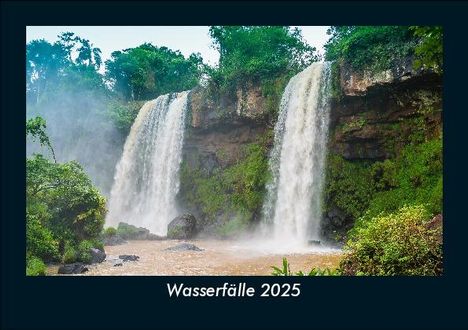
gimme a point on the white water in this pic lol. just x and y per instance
(292, 209)
(147, 177)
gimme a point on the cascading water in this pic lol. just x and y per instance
(292, 208)
(147, 177)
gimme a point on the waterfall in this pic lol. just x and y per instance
(292, 207)
(146, 179)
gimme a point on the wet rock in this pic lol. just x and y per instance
(184, 247)
(97, 255)
(74, 268)
(114, 240)
(313, 242)
(130, 232)
(182, 227)
(128, 257)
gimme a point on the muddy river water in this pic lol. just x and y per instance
(219, 257)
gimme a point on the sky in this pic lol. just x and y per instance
(187, 39)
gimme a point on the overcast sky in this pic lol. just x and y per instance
(187, 39)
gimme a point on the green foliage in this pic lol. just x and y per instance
(374, 48)
(414, 177)
(257, 53)
(349, 185)
(233, 227)
(286, 271)
(51, 67)
(362, 190)
(84, 254)
(127, 231)
(232, 196)
(123, 114)
(401, 243)
(63, 209)
(70, 254)
(236, 191)
(147, 71)
(39, 240)
(35, 267)
(110, 231)
(36, 128)
(429, 50)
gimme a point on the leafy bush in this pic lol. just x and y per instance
(35, 267)
(286, 271)
(39, 239)
(349, 186)
(401, 243)
(84, 254)
(64, 211)
(363, 190)
(110, 231)
(70, 254)
(75, 208)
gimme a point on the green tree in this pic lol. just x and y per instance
(36, 128)
(147, 71)
(253, 53)
(373, 48)
(429, 50)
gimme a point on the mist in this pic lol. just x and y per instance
(80, 129)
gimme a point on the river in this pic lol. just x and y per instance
(219, 257)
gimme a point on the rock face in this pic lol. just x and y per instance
(355, 83)
(97, 256)
(376, 114)
(182, 227)
(75, 268)
(184, 247)
(114, 240)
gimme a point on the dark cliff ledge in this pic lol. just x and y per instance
(375, 115)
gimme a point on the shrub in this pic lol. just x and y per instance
(84, 253)
(110, 231)
(39, 240)
(35, 267)
(70, 254)
(285, 271)
(62, 196)
(401, 243)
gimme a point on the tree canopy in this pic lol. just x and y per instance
(147, 71)
(249, 53)
(379, 47)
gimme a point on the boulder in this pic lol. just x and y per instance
(114, 240)
(74, 268)
(182, 227)
(97, 255)
(128, 257)
(184, 247)
(130, 232)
